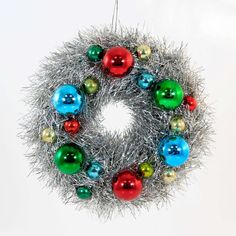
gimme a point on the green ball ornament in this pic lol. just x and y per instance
(168, 94)
(91, 85)
(69, 158)
(84, 192)
(95, 53)
(146, 170)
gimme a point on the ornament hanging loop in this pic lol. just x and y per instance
(114, 22)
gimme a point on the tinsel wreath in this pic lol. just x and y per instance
(91, 167)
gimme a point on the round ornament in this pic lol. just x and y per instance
(91, 85)
(190, 102)
(69, 159)
(67, 99)
(71, 126)
(95, 53)
(168, 94)
(84, 192)
(124, 121)
(174, 150)
(118, 61)
(169, 175)
(94, 170)
(127, 186)
(177, 124)
(146, 170)
(48, 135)
(144, 52)
(145, 79)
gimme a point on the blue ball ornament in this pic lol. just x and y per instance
(174, 150)
(94, 170)
(68, 100)
(144, 79)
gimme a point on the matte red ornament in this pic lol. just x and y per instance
(127, 185)
(118, 61)
(190, 102)
(71, 126)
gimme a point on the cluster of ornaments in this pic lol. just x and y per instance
(167, 94)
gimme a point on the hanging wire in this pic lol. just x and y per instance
(114, 22)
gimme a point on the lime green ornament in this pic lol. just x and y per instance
(84, 192)
(69, 158)
(146, 170)
(168, 94)
(95, 53)
(91, 85)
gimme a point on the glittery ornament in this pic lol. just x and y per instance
(121, 144)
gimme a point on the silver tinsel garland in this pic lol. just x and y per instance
(70, 65)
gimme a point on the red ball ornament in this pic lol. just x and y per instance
(190, 102)
(127, 185)
(71, 126)
(118, 61)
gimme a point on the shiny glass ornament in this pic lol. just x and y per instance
(118, 61)
(71, 126)
(146, 170)
(94, 170)
(91, 85)
(168, 94)
(127, 186)
(144, 52)
(190, 102)
(169, 175)
(48, 135)
(67, 99)
(145, 79)
(69, 158)
(95, 53)
(177, 124)
(84, 192)
(174, 150)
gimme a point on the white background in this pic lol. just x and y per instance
(30, 29)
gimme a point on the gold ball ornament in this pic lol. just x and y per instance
(48, 135)
(144, 52)
(146, 170)
(169, 175)
(177, 124)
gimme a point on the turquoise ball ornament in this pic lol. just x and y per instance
(145, 79)
(94, 170)
(174, 150)
(68, 100)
